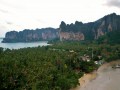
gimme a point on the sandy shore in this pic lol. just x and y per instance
(85, 80)
(105, 78)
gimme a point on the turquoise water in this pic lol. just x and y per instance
(22, 44)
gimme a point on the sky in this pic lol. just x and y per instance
(30, 14)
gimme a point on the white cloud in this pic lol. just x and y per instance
(45, 13)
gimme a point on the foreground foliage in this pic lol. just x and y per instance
(56, 67)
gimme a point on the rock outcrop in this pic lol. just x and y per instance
(71, 36)
(31, 35)
(78, 31)
(92, 30)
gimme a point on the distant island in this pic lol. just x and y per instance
(105, 30)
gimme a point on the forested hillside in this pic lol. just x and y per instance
(111, 38)
(56, 67)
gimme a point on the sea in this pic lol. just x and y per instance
(19, 45)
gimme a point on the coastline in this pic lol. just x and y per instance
(92, 80)
(84, 80)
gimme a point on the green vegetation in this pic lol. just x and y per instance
(112, 37)
(56, 67)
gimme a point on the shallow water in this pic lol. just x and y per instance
(22, 44)
(107, 79)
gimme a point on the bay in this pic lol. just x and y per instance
(22, 44)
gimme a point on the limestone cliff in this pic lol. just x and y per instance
(31, 35)
(71, 36)
(78, 31)
(90, 31)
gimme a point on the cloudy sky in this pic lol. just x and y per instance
(22, 14)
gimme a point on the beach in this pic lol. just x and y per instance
(105, 78)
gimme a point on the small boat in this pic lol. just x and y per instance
(116, 66)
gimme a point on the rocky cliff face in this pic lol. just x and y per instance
(78, 31)
(92, 30)
(71, 36)
(107, 24)
(31, 35)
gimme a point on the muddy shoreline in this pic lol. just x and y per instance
(105, 78)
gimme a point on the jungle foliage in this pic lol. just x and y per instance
(54, 67)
